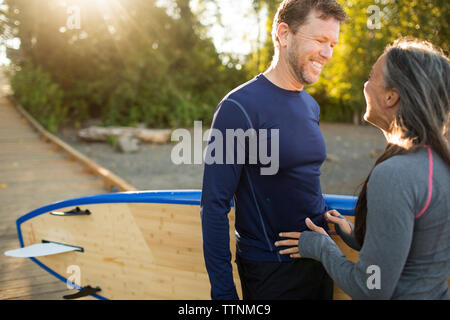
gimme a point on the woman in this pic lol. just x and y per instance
(402, 218)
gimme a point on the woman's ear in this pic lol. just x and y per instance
(392, 98)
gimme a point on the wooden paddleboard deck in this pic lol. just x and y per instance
(136, 245)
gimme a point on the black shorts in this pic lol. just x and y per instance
(301, 279)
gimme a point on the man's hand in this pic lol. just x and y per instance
(294, 238)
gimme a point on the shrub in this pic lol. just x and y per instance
(39, 95)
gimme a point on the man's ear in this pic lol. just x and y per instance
(283, 33)
(392, 98)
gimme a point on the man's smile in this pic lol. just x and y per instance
(317, 65)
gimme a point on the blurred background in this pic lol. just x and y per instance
(167, 63)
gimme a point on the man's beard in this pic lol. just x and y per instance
(298, 71)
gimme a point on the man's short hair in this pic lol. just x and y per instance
(295, 12)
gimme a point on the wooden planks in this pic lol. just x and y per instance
(132, 251)
(110, 180)
(351, 254)
(33, 173)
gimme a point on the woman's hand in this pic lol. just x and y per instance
(335, 217)
(294, 238)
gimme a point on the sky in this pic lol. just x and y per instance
(237, 35)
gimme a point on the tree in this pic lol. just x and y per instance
(259, 61)
(340, 89)
(129, 61)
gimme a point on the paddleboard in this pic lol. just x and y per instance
(132, 245)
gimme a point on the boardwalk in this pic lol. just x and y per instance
(33, 173)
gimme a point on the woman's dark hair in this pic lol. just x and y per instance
(420, 73)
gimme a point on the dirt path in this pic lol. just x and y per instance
(354, 148)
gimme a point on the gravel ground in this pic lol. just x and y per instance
(350, 157)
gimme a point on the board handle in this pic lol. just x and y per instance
(76, 212)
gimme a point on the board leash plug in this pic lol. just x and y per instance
(84, 292)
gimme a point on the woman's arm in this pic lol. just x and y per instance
(344, 228)
(390, 224)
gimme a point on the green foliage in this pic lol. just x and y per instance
(259, 61)
(133, 63)
(344, 77)
(39, 95)
(340, 89)
(112, 140)
(129, 63)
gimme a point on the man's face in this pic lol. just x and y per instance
(311, 47)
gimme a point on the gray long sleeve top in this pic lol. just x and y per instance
(407, 241)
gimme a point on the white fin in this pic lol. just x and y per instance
(40, 250)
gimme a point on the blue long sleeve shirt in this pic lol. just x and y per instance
(265, 205)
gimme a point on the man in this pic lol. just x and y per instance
(304, 33)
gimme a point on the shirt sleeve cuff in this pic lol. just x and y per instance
(311, 244)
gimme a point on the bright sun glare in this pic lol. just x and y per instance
(101, 3)
(228, 38)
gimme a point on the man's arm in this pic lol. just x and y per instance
(220, 182)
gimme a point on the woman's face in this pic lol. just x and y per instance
(374, 92)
